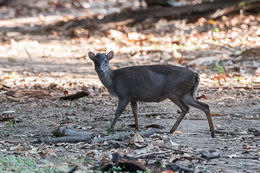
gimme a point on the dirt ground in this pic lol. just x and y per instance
(31, 59)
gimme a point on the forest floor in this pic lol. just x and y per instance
(41, 61)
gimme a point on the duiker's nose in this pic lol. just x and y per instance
(100, 70)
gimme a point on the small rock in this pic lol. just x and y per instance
(221, 103)
(218, 126)
(211, 154)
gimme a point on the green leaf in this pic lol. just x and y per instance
(108, 130)
(237, 52)
(216, 30)
(241, 4)
(238, 78)
(220, 69)
(10, 59)
(11, 123)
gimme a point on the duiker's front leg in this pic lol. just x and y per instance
(134, 109)
(122, 103)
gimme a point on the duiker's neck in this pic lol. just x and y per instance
(106, 78)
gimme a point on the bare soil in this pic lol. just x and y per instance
(238, 111)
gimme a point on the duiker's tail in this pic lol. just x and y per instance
(196, 85)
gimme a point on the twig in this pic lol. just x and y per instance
(230, 87)
(75, 96)
(249, 157)
(29, 55)
(152, 155)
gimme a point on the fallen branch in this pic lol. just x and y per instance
(75, 96)
(153, 155)
(38, 94)
(6, 116)
(67, 135)
(65, 131)
(188, 11)
(148, 132)
(67, 139)
(236, 7)
(173, 12)
(124, 135)
(119, 135)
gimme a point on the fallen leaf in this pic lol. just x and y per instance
(232, 155)
(138, 138)
(213, 114)
(117, 34)
(104, 160)
(46, 153)
(211, 21)
(173, 159)
(201, 97)
(19, 149)
(90, 153)
(167, 171)
(219, 77)
(177, 132)
(203, 67)
(158, 126)
(66, 92)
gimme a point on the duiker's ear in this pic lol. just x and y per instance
(91, 55)
(110, 55)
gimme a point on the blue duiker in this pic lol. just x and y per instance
(150, 83)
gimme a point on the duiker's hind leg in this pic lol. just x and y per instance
(184, 110)
(190, 100)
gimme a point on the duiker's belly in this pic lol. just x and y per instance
(149, 97)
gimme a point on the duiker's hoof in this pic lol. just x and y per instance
(212, 135)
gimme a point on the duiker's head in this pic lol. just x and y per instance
(101, 61)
